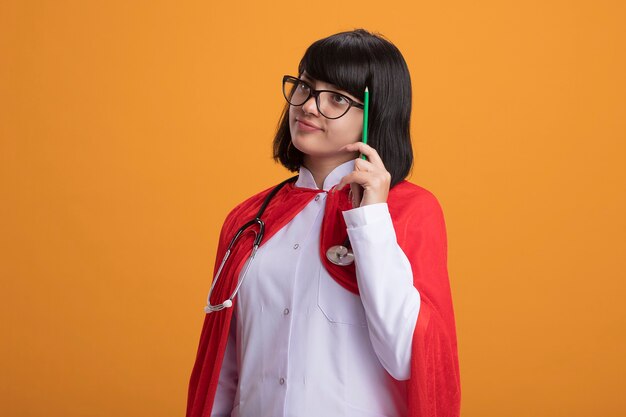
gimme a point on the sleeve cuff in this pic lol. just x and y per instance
(362, 216)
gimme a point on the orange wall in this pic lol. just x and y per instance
(125, 140)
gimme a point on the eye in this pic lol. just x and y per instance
(339, 99)
(303, 87)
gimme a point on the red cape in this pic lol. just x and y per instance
(434, 389)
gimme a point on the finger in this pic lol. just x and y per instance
(359, 177)
(363, 165)
(357, 192)
(366, 150)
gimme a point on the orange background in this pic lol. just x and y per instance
(130, 128)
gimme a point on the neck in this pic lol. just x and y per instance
(321, 167)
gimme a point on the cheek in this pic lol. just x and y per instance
(292, 119)
(292, 114)
(350, 131)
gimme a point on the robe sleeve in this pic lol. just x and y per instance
(228, 379)
(385, 281)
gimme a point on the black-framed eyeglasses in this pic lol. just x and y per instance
(330, 104)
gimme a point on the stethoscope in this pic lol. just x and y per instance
(339, 254)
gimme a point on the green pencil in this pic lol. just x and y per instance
(366, 105)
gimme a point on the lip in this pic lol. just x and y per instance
(308, 124)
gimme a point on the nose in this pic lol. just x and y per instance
(310, 106)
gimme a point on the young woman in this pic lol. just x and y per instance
(345, 308)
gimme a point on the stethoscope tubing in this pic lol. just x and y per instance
(209, 308)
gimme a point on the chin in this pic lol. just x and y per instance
(316, 152)
(302, 147)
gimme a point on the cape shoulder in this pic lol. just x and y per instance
(413, 192)
(412, 203)
(243, 212)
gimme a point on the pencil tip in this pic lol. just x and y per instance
(367, 89)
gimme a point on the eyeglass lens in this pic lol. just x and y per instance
(331, 105)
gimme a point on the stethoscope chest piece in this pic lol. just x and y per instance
(340, 255)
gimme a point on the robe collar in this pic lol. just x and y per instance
(306, 180)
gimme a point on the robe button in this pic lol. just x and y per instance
(296, 246)
(281, 381)
(317, 197)
(286, 311)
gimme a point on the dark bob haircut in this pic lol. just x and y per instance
(351, 61)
